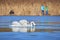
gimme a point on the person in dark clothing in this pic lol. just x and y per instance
(11, 12)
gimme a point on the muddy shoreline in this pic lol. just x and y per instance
(36, 30)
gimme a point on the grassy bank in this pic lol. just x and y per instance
(29, 7)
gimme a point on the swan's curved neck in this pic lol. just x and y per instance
(32, 23)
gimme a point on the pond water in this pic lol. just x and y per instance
(30, 36)
(43, 24)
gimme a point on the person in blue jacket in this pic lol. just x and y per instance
(42, 9)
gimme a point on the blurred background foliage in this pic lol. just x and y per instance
(29, 7)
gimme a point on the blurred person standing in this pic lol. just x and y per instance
(42, 9)
(46, 10)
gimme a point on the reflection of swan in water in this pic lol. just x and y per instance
(23, 26)
(15, 26)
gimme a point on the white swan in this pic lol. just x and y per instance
(23, 26)
(15, 26)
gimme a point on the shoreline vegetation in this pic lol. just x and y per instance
(36, 30)
(28, 7)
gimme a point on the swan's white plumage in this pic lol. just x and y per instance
(22, 25)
